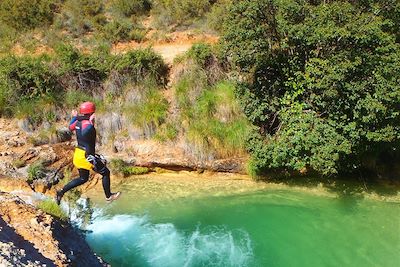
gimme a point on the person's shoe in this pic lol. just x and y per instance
(114, 196)
(59, 196)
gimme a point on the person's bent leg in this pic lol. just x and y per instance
(83, 178)
(102, 169)
(106, 182)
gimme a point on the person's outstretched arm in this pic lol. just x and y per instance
(73, 121)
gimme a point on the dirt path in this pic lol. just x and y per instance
(176, 43)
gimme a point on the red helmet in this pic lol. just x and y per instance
(87, 108)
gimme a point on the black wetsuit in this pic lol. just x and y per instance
(86, 138)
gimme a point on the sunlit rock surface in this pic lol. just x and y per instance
(30, 237)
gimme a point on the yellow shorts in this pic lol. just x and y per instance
(80, 160)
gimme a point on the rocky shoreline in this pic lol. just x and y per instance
(30, 237)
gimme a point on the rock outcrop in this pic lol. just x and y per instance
(30, 237)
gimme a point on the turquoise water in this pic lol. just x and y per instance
(266, 227)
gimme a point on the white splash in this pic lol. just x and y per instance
(162, 244)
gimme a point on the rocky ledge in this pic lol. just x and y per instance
(30, 237)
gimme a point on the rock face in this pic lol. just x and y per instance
(30, 237)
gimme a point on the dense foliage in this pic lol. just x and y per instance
(24, 15)
(321, 81)
(28, 84)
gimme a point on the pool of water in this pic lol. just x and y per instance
(156, 224)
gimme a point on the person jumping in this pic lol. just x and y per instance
(85, 158)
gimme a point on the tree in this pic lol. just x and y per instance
(320, 80)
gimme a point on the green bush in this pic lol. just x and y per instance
(23, 15)
(332, 66)
(131, 7)
(121, 30)
(117, 164)
(166, 132)
(141, 64)
(80, 71)
(37, 110)
(118, 30)
(50, 207)
(150, 113)
(35, 171)
(120, 166)
(28, 77)
(6, 103)
(189, 86)
(215, 123)
(25, 82)
(137, 34)
(82, 16)
(7, 38)
(217, 15)
(201, 53)
(180, 11)
(130, 170)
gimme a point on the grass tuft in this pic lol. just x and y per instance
(50, 207)
(35, 171)
(121, 167)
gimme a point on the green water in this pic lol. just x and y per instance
(266, 227)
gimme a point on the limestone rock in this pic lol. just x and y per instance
(63, 134)
(29, 237)
(25, 125)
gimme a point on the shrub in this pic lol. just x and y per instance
(215, 123)
(131, 7)
(130, 170)
(201, 53)
(142, 64)
(150, 113)
(35, 171)
(217, 15)
(6, 100)
(202, 60)
(50, 207)
(23, 15)
(166, 132)
(117, 164)
(82, 71)
(81, 16)
(137, 34)
(7, 38)
(180, 11)
(29, 88)
(37, 110)
(120, 166)
(188, 88)
(118, 30)
(28, 77)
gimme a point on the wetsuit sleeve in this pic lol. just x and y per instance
(72, 124)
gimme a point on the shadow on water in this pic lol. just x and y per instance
(343, 186)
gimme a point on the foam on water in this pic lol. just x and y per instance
(128, 236)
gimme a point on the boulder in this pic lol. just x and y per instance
(64, 134)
